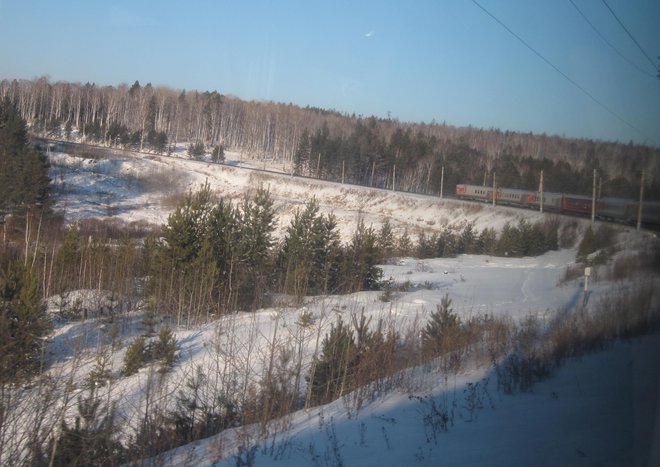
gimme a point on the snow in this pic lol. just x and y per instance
(600, 410)
(139, 187)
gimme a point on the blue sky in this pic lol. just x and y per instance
(418, 60)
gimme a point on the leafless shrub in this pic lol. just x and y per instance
(568, 234)
(572, 272)
(161, 181)
(627, 266)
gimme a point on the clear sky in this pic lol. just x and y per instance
(442, 60)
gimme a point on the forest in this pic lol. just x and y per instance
(327, 144)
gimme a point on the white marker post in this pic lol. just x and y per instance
(587, 274)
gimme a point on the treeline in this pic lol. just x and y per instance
(328, 144)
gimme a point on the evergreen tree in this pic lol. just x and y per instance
(196, 150)
(302, 155)
(487, 241)
(330, 374)
(218, 154)
(186, 228)
(443, 332)
(23, 170)
(23, 322)
(309, 261)
(91, 441)
(165, 349)
(362, 257)
(386, 240)
(255, 249)
(135, 356)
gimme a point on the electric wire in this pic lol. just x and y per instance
(633, 64)
(631, 36)
(568, 78)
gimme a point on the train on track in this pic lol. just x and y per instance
(611, 209)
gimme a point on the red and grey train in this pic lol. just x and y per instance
(614, 209)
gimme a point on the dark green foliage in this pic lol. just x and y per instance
(196, 150)
(487, 241)
(186, 228)
(198, 414)
(330, 369)
(350, 358)
(24, 178)
(362, 257)
(100, 374)
(386, 242)
(301, 159)
(444, 332)
(157, 140)
(218, 154)
(594, 240)
(135, 357)
(165, 349)
(310, 259)
(527, 239)
(23, 322)
(214, 257)
(255, 249)
(91, 441)
(467, 240)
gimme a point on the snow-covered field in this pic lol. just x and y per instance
(601, 410)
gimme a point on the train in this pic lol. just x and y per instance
(610, 209)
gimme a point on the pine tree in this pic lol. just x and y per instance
(165, 349)
(331, 370)
(302, 155)
(135, 357)
(443, 332)
(24, 323)
(218, 154)
(222, 244)
(255, 249)
(24, 178)
(309, 261)
(360, 267)
(386, 240)
(91, 441)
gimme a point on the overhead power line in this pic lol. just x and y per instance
(568, 78)
(633, 64)
(631, 36)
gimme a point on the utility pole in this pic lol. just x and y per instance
(593, 200)
(442, 181)
(541, 191)
(641, 203)
(494, 188)
(373, 170)
(318, 167)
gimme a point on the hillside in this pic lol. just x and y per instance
(139, 187)
(253, 375)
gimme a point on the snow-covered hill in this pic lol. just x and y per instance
(602, 410)
(135, 187)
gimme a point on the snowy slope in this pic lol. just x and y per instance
(140, 187)
(603, 409)
(585, 416)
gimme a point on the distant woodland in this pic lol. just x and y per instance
(328, 144)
